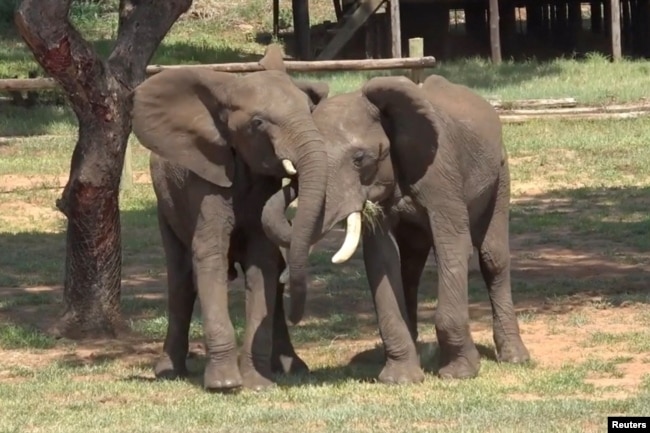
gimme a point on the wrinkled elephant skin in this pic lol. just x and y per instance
(221, 145)
(432, 157)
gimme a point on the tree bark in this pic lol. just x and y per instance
(100, 95)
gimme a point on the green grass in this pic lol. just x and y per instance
(589, 204)
(19, 337)
(579, 227)
(100, 399)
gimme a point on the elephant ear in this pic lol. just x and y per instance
(177, 115)
(273, 59)
(316, 90)
(413, 127)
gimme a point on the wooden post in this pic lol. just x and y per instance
(416, 49)
(276, 18)
(301, 30)
(395, 29)
(615, 29)
(495, 39)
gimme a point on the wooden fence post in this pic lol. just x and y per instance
(416, 49)
(495, 37)
(395, 29)
(615, 29)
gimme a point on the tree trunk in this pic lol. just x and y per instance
(99, 93)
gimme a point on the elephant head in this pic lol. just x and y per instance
(378, 138)
(203, 120)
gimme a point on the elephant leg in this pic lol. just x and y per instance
(382, 263)
(459, 357)
(180, 304)
(210, 264)
(494, 259)
(414, 248)
(261, 274)
(284, 358)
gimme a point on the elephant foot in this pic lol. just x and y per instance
(288, 364)
(401, 373)
(221, 377)
(166, 370)
(513, 351)
(465, 365)
(256, 375)
(256, 381)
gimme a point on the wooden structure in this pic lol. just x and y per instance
(491, 28)
(412, 64)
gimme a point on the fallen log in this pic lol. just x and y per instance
(521, 118)
(623, 108)
(534, 103)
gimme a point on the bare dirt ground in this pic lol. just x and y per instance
(556, 330)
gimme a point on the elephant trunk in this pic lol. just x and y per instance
(311, 166)
(274, 221)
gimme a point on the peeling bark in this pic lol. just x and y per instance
(100, 95)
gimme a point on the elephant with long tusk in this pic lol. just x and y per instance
(432, 158)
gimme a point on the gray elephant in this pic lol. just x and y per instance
(221, 145)
(433, 159)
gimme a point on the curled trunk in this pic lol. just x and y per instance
(274, 220)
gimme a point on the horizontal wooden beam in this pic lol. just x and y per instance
(515, 118)
(535, 103)
(32, 84)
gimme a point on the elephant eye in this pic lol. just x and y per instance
(358, 157)
(256, 122)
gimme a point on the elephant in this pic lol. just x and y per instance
(221, 145)
(428, 161)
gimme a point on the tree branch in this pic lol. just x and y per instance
(142, 26)
(64, 54)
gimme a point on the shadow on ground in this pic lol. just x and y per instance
(569, 248)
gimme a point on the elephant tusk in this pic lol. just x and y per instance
(288, 167)
(352, 236)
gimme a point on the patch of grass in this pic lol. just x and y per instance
(609, 367)
(578, 319)
(22, 299)
(568, 380)
(324, 405)
(156, 327)
(335, 327)
(636, 342)
(19, 337)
